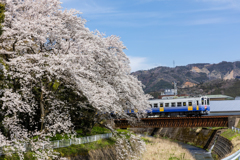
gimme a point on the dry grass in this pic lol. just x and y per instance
(161, 149)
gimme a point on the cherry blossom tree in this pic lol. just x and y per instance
(57, 70)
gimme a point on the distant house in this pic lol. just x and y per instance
(219, 97)
(169, 92)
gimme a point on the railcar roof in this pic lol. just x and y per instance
(177, 99)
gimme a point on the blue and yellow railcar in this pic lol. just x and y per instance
(195, 106)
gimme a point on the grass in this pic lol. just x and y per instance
(216, 128)
(70, 151)
(83, 149)
(74, 149)
(165, 150)
(230, 135)
(80, 133)
(234, 137)
(27, 156)
(95, 130)
(124, 132)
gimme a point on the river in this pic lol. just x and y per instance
(197, 153)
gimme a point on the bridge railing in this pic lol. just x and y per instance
(236, 129)
(69, 142)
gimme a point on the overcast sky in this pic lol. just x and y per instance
(158, 32)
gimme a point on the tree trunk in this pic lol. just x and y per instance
(42, 109)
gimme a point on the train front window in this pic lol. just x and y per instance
(208, 101)
(150, 105)
(184, 103)
(179, 104)
(161, 104)
(166, 104)
(155, 105)
(173, 104)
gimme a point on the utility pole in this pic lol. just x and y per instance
(175, 88)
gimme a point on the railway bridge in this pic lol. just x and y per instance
(205, 121)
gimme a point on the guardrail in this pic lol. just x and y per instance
(236, 129)
(233, 156)
(69, 142)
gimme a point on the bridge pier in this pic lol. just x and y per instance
(233, 121)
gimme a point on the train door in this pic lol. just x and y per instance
(190, 106)
(197, 105)
(161, 107)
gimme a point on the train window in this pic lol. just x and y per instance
(150, 105)
(155, 105)
(197, 103)
(189, 103)
(173, 104)
(184, 103)
(179, 104)
(202, 101)
(166, 104)
(161, 104)
(208, 101)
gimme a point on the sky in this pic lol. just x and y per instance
(160, 32)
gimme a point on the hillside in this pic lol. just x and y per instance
(160, 78)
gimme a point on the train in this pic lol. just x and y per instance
(194, 106)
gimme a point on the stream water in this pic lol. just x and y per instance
(197, 153)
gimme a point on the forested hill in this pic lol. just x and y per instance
(160, 78)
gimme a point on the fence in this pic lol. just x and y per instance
(236, 129)
(82, 140)
(69, 142)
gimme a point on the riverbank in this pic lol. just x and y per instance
(158, 148)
